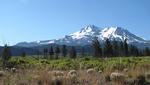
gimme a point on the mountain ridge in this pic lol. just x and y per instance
(86, 35)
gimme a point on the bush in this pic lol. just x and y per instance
(140, 80)
(57, 82)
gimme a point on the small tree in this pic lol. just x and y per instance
(57, 52)
(121, 49)
(51, 52)
(82, 51)
(64, 51)
(6, 55)
(133, 50)
(23, 54)
(126, 49)
(45, 51)
(38, 53)
(115, 48)
(147, 51)
(108, 49)
(72, 52)
(97, 48)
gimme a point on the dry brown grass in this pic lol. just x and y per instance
(46, 77)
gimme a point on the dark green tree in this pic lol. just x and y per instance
(64, 50)
(147, 51)
(72, 52)
(133, 50)
(45, 51)
(115, 48)
(38, 53)
(97, 48)
(51, 52)
(126, 49)
(108, 49)
(6, 55)
(82, 52)
(57, 52)
(121, 49)
(23, 54)
(140, 52)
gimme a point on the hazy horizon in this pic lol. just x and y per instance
(31, 20)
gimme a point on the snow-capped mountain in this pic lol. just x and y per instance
(87, 34)
(119, 33)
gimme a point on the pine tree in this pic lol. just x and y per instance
(133, 50)
(6, 55)
(108, 49)
(115, 48)
(51, 52)
(38, 53)
(121, 49)
(64, 50)
(23, 54)
(82, 52)
(57, 52)
(97, 48)
(137, 52)
(147, 51)
(126, 51)
(72, 52)
(45, 51)
(140, 52)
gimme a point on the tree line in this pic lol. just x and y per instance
(117, 49)
(108, 48)
(100, 50)
(59, 51)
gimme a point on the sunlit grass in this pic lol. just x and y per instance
(34, 71)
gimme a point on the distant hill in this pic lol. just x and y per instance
(19, 50)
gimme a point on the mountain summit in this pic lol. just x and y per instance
(120, 34)
(88, 33)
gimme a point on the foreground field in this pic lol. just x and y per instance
(80, 71)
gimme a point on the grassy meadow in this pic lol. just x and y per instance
(79, 71)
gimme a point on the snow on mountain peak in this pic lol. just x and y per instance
(89, 28)
(119, 33)
(86, 31)
(86, 35)
(111, 32)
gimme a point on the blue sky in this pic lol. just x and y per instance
(30, 20)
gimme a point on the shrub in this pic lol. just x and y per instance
(107, 78)
(57, 82)
(140, 80)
